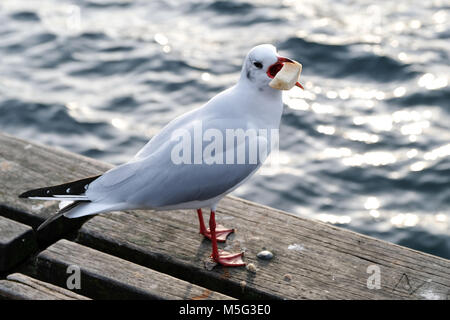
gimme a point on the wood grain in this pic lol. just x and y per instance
(319, 261)
(21, 287)
(312, 260)
(17, 242)
(107, 277)
(25, 166)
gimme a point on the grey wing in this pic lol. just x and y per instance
(156, 181)
(193, 183)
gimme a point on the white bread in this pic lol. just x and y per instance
(287, 77)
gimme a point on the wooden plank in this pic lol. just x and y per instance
(25, 166)
(21, 287)
(103, 276)
(312, 260)
(17, 241)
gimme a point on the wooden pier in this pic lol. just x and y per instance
(161, 255)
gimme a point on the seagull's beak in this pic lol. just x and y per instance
(283, 59)
(273, 69)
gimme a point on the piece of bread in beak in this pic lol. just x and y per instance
(287, 77)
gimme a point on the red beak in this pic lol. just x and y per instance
(299, 85)
(283, 59)
(273, 69)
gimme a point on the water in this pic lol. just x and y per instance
(366, 146)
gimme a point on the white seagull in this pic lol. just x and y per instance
(153, 180)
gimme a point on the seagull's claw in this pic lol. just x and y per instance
(221, 233)
(228, 259)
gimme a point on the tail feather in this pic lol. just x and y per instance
(74, 203)
(68, 191)
(59, 214)
(91, 208)
(78, 209)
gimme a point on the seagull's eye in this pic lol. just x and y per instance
(258, 65)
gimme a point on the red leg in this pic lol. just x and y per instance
(221, 232)
(201, 222)
(222, 257)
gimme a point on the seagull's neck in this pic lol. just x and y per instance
(265, 105)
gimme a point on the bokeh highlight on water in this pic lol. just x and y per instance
(366, 146)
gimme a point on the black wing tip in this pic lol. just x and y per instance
(26, 194)
(44, 224)
(33, 193)
(58, 215)
(78, 187)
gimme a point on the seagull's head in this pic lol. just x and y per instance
(261, 65)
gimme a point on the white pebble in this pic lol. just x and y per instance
(243, 284)
(251, 267)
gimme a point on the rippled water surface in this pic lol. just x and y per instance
(366, 146)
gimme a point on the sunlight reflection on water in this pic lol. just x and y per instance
(364, 145)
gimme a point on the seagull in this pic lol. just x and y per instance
(175, 171)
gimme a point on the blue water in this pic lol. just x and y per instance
(366, 146)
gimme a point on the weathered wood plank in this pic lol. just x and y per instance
(312, 260)
(103, 276)
(21, 287)
(25, 166)
(17, 241)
